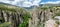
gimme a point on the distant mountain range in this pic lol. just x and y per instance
(8, 4)
(47, 4)
(4, 3)
(50, 4)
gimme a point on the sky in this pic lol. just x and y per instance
(29, 3)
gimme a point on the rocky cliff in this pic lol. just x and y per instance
(12, 16)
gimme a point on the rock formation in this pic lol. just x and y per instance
(37, 17)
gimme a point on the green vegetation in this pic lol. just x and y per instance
(44, 8)
(6, 24)
(25, 23)
(7, 9)
(58, 14)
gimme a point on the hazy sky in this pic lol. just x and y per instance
(28, 3)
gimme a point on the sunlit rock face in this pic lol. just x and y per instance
(59, 25)
(34, 20)
(43, 18)
(51, 23)
(39, 17)
(58, 17)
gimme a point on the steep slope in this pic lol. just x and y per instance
(12, 15)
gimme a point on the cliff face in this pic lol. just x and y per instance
(43, 17)
(11, 16)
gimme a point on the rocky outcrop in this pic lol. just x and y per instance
(40, 16)
(12, 17)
